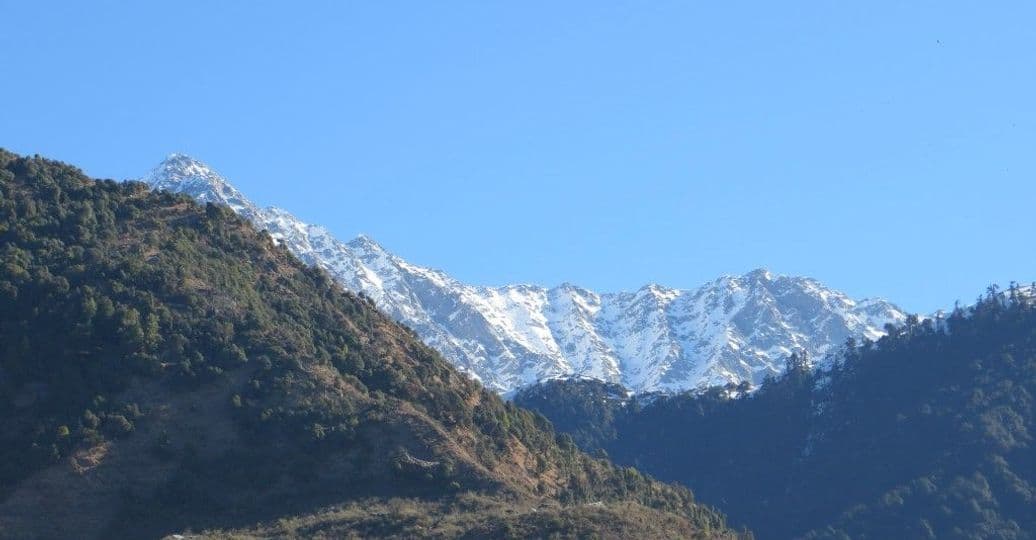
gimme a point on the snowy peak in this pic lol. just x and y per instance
(177, 166)
(181, 173)
(759, 274)
(366, 245)
(733, 329)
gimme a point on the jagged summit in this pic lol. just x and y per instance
(657, 338)
(761, 274)
(366, 243)
(176, 159)
(183, 174)
(177, 168)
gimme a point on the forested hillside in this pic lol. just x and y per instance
(926, 433)
(165, 367)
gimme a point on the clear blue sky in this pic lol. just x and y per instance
(887, 149)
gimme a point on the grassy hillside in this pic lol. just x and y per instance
(927, 433)
(165, 367)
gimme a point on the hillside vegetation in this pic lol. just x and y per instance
(165, 367)
(926, 433)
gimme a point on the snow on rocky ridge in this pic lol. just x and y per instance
(733, 329)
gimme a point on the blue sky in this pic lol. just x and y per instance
(885, 148)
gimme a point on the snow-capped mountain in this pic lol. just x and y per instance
(733, 329)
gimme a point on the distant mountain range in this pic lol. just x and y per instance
(733, 329)
(925, 433)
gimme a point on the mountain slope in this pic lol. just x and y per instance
(927, 433)
(164, 366)
(730, 330)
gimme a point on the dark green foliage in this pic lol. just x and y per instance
(926, 433)
(207, 378)
(584, 409)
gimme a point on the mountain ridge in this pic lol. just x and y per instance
(167, 368)
(925, 433)
(657, 338)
